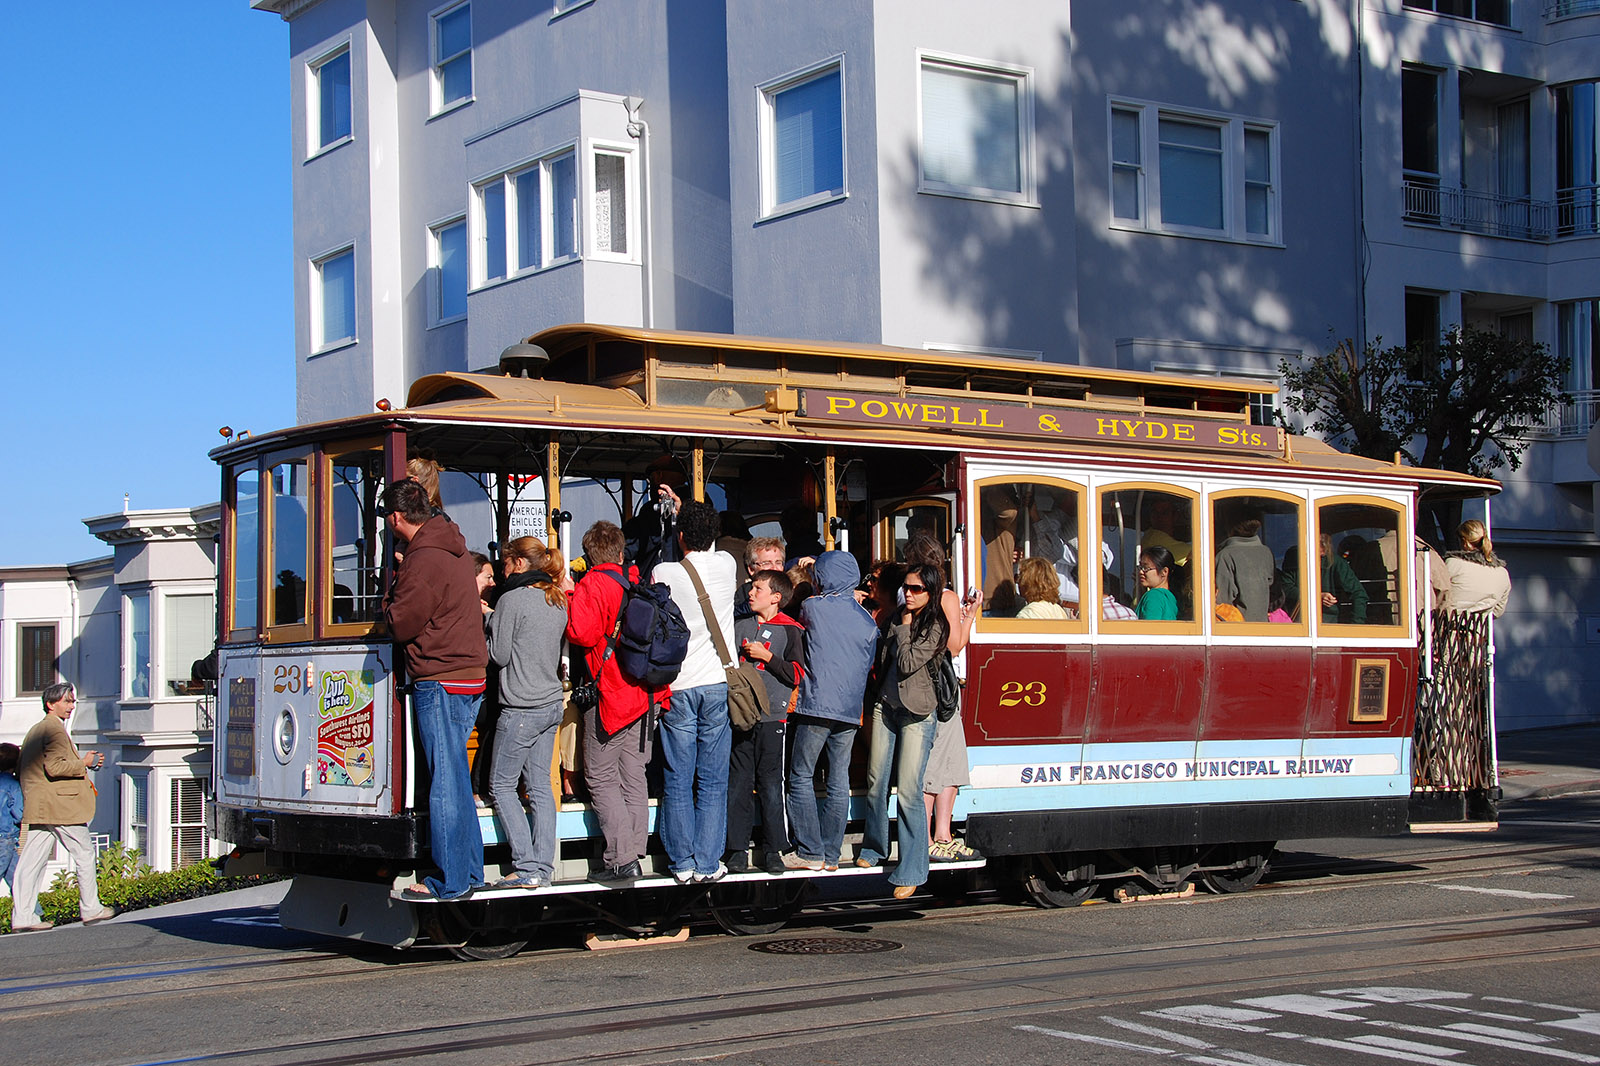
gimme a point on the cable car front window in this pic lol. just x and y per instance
(290, 507)
(246, 549)
(355, 570)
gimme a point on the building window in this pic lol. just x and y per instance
(1423, 320)
(188, 630)
(611, 203)
(1577, 158)
(190, 841)
(1578, 342)
(802, 139)
(138, 830)
(1495, 11)
(452, 56)
(447, 263)
(527, 219)
(330, 79)
(1213, 175)
(136, 662)
(977, 130)
(333, 299)
(36, 658)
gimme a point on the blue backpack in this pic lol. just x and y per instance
(650, 639)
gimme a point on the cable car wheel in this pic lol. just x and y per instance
(1059, 880)
(1242, 866)
(462, 930)
(755, 908)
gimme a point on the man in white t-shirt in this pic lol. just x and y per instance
(692, 820)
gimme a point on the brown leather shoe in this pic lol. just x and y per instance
(904, 891)
(40, 927)
(105, 915)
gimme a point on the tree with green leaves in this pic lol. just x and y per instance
(1468, 403)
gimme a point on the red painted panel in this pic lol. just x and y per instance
(1329, 714)
(1018, 694)
(1257, 693)
(1150, 692)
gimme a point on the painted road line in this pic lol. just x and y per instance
(1103, 1041)
(1474, 1038)
(1513, 893)
(1164, 1034)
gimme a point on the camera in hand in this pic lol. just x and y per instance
(586, 694)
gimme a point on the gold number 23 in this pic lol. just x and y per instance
(1015, 692)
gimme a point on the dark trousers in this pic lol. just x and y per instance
(756, 769)
(614, 766)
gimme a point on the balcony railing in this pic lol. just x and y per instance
(1478, 212)
(1560, 9)
(1575, 210)
(1569, 420)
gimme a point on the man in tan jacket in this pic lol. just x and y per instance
(58, 803)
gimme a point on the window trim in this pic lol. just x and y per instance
(477, 226)
(1234, 185)
(162, 689)
(131, 781)
(320, 344)
(1403, 570)
(1002, 627)
(630, 192)
(129, 594)
(766, 136)
(229, 623)
(436, 317)
(322, 606)
(1027, 155)
(55, 659)
(1225, 630)
(314, 145)
(436, 102)
(292, 631)
(1142, 627)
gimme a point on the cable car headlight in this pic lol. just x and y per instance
(284, 735)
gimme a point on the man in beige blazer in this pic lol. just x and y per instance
(58, 803)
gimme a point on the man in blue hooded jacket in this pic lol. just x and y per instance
(840, 641)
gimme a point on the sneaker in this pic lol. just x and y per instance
(793, 860)
(683, 877)
(521, 881)
(959, 852)
(105, 915)
(737, 862)
(775, 864)
(37, 927)
(940, 851)
(715, 875)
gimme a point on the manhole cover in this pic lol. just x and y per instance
(825, 945)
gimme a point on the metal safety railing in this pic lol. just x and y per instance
(1571, 419)
(1453, 746)
(1575, 210)
(1560, 9)
(1516, 217)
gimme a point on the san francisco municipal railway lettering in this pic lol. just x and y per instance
(1181, 770)
(1017, 420)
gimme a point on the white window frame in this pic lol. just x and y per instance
(129, 665)
(168, 634)
(477, 224)
(436, 101)
(766, 94)
(47, 623)
(436, 316)
(174, 783)
(131, 782)
(1234, 204)
(319, 343)
(1027, 168)
(314, 142)
(630, 192)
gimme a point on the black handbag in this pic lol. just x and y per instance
(946, 686)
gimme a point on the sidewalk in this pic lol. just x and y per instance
(1540, 763)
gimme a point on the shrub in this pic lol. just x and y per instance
(127, 883)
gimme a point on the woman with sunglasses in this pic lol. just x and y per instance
(1156, 602)
(903, 724)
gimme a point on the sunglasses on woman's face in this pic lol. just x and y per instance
(915, 588)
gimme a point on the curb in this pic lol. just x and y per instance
(1565, 788)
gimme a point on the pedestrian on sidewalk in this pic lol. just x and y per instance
(58, 804)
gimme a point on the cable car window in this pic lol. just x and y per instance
(246, 550)
(354, 569)
(1032, 528)
(1255, 568)
(1148, 532)
(290, 507)
(911, 517)
(1362, 563)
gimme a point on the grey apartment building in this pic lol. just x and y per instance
(1177, 185)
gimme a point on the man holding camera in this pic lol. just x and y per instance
(616, 739)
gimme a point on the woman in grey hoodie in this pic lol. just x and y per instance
(525, 633)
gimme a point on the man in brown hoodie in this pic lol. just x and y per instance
(433, 610)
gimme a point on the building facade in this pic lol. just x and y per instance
(1170, 185)
(125, 630)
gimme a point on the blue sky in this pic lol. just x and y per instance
(146, 297)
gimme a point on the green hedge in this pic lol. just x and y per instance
(127, 884)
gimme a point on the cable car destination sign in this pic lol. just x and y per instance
(1034, 423)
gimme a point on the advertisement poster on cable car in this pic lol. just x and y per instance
(344, 729)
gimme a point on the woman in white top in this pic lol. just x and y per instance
(1041, 587)
(1479, 580)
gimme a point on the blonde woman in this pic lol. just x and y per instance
(525, 633)
(1041, 588)
(1479, 580)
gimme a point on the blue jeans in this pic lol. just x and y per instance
(524, 743)
(693, 819)
(817, 829)
(444, 721)
(901, 744)
(8, 864)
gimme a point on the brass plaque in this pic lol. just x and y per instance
(1369, 696)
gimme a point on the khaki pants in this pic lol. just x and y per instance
(36, 852)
